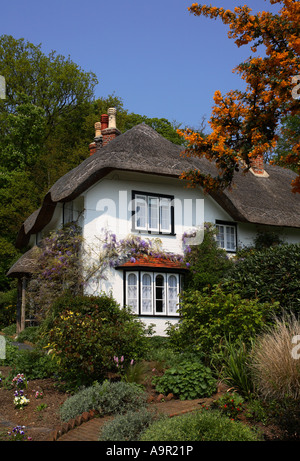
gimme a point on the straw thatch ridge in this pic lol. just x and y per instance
(265, 200)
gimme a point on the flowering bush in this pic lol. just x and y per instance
(231, 404)
(84, 333)
(20, 400)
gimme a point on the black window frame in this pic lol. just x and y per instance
(156, 195)
(231, 224)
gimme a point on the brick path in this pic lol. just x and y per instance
(86, 432)
(89, 431)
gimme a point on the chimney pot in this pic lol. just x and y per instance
(257, 166)
(112, 111)
(97, 129)
(104, 121)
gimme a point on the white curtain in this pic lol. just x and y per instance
(132, 292)
(172, 294)
(146, 294)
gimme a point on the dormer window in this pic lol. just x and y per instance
(153, 213)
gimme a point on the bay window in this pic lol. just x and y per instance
(153, 293)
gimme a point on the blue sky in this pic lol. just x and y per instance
(161, 60)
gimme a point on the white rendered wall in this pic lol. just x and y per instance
(107, 206)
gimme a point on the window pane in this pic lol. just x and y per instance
(172, 294)
(146, 294)
(153, 210)
(165, 215)
(132, 290)
(159, 294)
(140, 212)
(230, 238)
(220, 236)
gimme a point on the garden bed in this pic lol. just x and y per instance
(41, 416)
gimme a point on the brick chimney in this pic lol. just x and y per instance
(257, 166)
(109, 131)
(105, 130)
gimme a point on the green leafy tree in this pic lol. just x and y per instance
(52, 81)
(288, 137)
(207, 262)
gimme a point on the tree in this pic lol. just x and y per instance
(207, 262)
(244, 123)
(288, 137)
(52, 82)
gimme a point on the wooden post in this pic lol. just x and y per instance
(19, 305)
(23, 303)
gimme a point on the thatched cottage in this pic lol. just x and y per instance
(130, 185)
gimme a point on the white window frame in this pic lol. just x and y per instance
(169, 299)
(225, 227)
(144, 312)
(134, 310)
(139, 293)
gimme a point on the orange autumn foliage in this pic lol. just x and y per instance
(245, 123)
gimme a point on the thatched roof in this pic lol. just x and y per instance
(25, 265)
(261, 200)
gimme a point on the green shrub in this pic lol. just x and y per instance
(186, 381)
(107, 398)
(206, 425)
(208, 263)
(127, 427)
(30, 334)
(11, 354)
(8, 308)
(85, 333)
(208, 317)
(270, 274)
(35, 364)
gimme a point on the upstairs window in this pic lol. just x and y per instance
(226, 235)
(153, 213)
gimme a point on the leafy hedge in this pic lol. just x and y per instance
(272, 274)
(207, 317)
